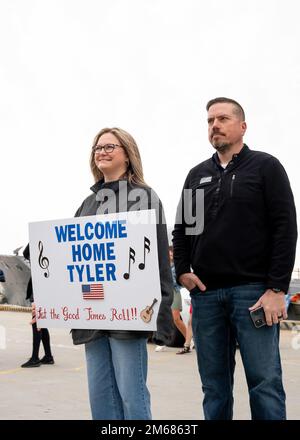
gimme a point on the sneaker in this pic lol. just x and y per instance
(160, 348)
(184, 350)
(47, 360)
(31, 363)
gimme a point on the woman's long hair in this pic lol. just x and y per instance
(134, 172)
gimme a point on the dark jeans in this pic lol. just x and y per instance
(38, 336)
(220, 318)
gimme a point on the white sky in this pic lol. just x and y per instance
(71, 67)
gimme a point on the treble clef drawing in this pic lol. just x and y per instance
(43, 261)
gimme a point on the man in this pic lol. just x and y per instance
(241, 259)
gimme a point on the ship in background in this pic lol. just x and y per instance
(14, 277)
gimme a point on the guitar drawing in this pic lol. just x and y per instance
(147, 312)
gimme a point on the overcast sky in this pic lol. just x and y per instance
(71, 67)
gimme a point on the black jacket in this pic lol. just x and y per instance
(100, 202)
(250, 229)
(29, 291)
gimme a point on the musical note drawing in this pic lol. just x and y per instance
(131, 258)
(146, 247)
(147, 312)
(43, 261)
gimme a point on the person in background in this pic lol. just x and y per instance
(236, 254)
(38, 335)
(177, 304)
(189, 344)
(176, 310)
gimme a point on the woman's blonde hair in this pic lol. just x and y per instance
(134, 173)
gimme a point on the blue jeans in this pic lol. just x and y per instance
(220, 318)
(117, 374)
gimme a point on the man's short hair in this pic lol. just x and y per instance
(237, 107)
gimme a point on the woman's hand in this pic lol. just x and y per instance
(33, 314)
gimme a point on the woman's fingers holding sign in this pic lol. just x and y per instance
(33, 314)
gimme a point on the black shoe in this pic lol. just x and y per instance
(31, 363)
(47, 360)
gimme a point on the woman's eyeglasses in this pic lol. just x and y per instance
(108, 148)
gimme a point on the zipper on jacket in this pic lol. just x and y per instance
(231, 185)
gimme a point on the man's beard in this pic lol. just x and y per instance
(221, 147)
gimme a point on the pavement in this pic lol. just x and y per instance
(59, 391)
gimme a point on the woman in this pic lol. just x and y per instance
(117, 360)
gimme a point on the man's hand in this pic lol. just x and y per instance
(190, 280)
(274, 306)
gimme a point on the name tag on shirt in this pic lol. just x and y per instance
(205, 180)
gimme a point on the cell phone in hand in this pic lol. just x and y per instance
(258, 317)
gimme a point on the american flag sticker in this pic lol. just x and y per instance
(92, 291)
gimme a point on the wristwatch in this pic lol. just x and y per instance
(276, 289)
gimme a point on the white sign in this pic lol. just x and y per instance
(96, 272)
